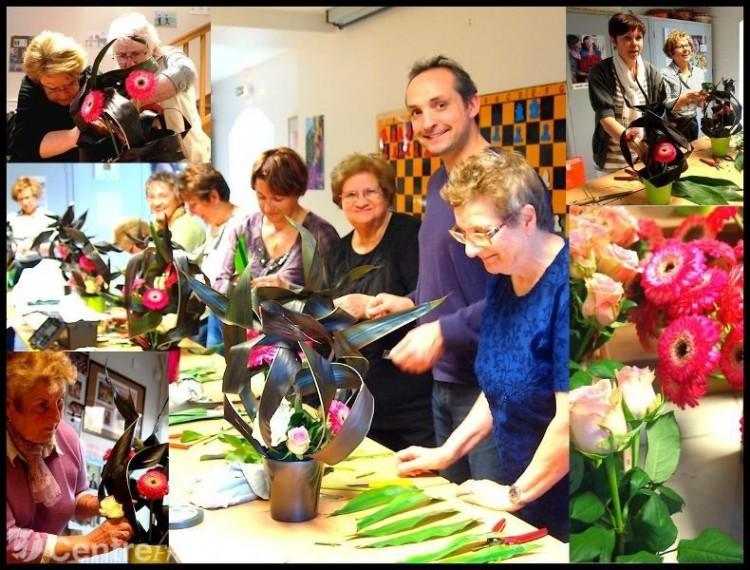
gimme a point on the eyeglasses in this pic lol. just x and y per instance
(477, 239)
(129, 56)
(62, 89)
(369, 195)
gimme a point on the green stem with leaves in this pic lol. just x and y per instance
(636, 449)
(584, 343)
(609, 465)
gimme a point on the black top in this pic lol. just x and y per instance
(37, 116)
(402, 401)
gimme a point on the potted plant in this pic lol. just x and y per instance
(722, 116)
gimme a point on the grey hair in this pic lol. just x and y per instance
(135, 26)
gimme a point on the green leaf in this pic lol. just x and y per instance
(706, 191)
(710, 547)
(634, 481)
(373, 498)
(399, 504)
(579, 379)
(673, 501)
(586, 507)
(652, 526)
(593, 544)
(663, 453)
(421, 535)
(190, 435)
(468, 541)
(406, 524)
(604, 368)
(139, 325)
(638, 557)
(493, 553)
(240, 256)
(576, 471)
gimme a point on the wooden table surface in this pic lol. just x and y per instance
(247, 533)
(605, 186)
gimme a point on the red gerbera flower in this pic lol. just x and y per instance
(692, 228)
(153, 485)
(86, 264)
(261, 355)
(731, 305)
(687, 347)
(670, 271)
(171, 273)
(650, 231)
(719, 216)
(92, 106)
(140, 84)
(684, 392)
(665, 152)
(155, 299)
(739, 251)
(716, 252)
(703, 297)
(733, 357)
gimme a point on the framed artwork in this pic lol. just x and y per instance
(314, 146)
(292, 129)
(17, 49)
(101, 417)
(76, 395)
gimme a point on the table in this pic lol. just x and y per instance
(606, 186)
(246, 532)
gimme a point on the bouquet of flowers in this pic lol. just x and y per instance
(722, 112)
(114, 103)
(157, 294)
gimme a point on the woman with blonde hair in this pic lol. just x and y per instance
(128, 229)
(46, 483)
(137, 41)
(55, 67)
(27, 223)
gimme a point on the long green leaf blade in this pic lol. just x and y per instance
(494, 553)
(373, 498)
(438, 531)
(458, 543)
(406, 524)
(400, 504)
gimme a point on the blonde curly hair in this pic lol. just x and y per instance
(52, 53)
(24, 183)
(27, 369)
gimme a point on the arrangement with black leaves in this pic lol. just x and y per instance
(116, 123)
(135, 477)
(157, 295)
(722, 112)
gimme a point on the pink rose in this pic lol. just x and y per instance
(298, 441)
(592, 235)
(619, 263)
(582, 258)
(637, 386)
(337, 414)
(595, 411)
(621, 225)
(604, 298)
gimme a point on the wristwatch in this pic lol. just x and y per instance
(514, 494)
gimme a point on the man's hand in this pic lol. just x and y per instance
(420, 349)
(385, 304)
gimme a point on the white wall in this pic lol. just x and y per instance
(352, 75)
(80, 23)
(726, 34)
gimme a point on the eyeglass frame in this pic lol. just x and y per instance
(62, 88)
(489, 235)
(129, 56)
(352, 196)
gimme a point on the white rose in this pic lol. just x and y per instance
(637, 386)
(592, 409)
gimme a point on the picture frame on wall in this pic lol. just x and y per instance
(101, 415)
(76, 393)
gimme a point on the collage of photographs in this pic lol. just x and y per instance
(374, 285)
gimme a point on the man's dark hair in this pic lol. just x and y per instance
(463, 82)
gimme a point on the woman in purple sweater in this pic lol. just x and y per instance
(46, 483)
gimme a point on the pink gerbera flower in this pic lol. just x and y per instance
(670, 271)
(140, 84)
(739, 251)
(261, 356)
(86, 264)
(687, 347)
(716, 252)
(720, 216)
(153, 485)
(650, 231)
(337, 414)
(692, 228)
(684, 392)
(155, 299)
(703, 297)
(92, 106)
(665, 152)
(733, 357)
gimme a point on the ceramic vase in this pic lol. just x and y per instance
(294, 488)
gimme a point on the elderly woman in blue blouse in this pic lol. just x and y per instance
(522, 357)
(683, 81)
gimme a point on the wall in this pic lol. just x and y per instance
(352, 75)
(726, 28)
(79, 23)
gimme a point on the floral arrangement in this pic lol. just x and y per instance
(684, 294)
(135, 478)
(82, 262)
(160, 308)
(116, 120)
(722, 112)
(621, 507)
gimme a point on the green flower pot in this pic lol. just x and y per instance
(720, 147)
(690, 210)
(658, 196)
(94, 302)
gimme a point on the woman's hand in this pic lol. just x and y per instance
(355, 304)
(111, 534)
(415, 460)
(420, 349)
(486, 493)
(87, 506)
(270, 281)
(385, 304)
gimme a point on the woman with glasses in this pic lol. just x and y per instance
(175, 83)
(617, 86)
(504, 219)
(364, 188)
(274, 246)
(44, 130)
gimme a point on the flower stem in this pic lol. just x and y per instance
(584, 343)
(636, 449)
(609, 465)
